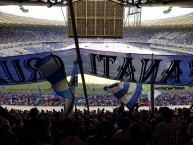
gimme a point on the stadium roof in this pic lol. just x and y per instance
(11, 20)
(14, 20)
(182, 3)
(180, 21)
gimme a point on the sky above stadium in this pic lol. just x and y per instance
(55, 13)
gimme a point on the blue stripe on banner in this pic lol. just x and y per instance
(120, 93)
(56, 95)
(67, 94)
(123, 91)
(56, 77)
(44, 61)
(126, 86)
(135, 96)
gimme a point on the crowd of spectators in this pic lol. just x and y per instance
(173, 36)
(143, 35)
(178, 37)
(97, 127)
(45, 47)
(32, 34)
(175, 39)
(43, 99)
(170, 40)
(169, 99)
(37, 99)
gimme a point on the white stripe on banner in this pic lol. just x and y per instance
(132, 87)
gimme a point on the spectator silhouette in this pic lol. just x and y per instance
(6, 135)
(98, 138)
(71, 127)
(123, 134)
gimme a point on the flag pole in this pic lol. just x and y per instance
(152, 99)
(78, 51)
(152, 95)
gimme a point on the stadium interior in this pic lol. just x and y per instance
(32, 115)
(123, 29)
(172, 35)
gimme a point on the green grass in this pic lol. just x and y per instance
(91, 88)
(46, 88)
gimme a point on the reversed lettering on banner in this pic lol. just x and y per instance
(164, 70)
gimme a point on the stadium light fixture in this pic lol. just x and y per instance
(23, 9)
(133, 2)
(167, 11)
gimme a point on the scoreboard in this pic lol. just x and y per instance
(97, 18)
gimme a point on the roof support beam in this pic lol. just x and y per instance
(127, 3)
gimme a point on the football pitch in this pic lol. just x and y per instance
(94, 86)
(45, 87)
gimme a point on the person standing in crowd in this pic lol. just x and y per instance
(71, 127)
(123, 134)
(7, 137)
(167, 131)
(98, 138)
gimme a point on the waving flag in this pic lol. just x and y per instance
(156, 94)
(128, 93)
(54, 72)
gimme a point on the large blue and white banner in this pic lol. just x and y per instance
(139, 68)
